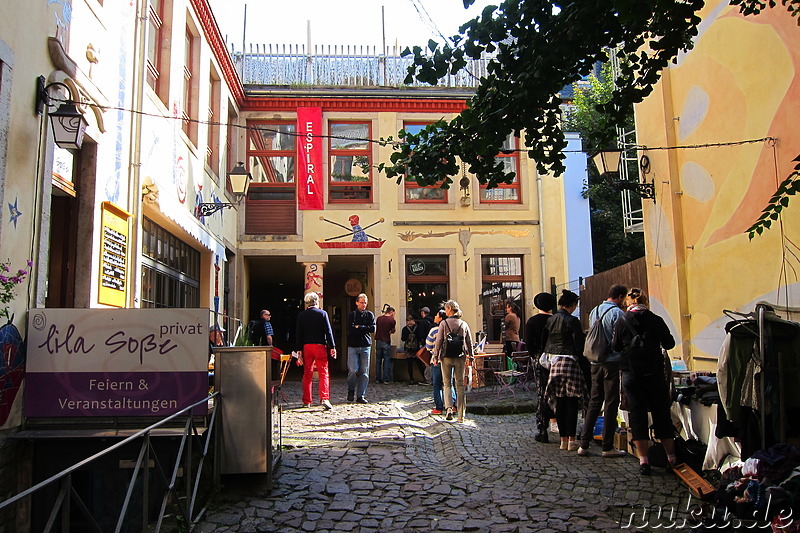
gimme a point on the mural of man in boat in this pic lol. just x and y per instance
(358, 236)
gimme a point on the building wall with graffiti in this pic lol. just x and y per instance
(721, 134)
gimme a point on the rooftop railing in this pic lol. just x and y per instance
(339, 65)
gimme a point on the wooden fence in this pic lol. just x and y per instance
(595, 288)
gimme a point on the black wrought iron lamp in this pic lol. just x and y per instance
(68, 124)
(240, 182)
(607, 163)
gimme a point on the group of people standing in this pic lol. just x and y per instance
(439, 333)
(633, 363)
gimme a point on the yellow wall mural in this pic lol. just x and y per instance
(721, 128)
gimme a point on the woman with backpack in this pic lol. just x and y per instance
(640, 335)
(454, 350)
(411, 345)
(563, 347)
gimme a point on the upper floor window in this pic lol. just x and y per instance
(190, 101)
(350, 162)
(213, 140)
(271, 152)
(157, 60)
(505, 193)
(416, 194)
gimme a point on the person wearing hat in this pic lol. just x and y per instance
(534, 330)
(215, 336)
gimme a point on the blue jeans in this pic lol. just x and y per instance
(383, 361)
(358, 369)
(438, 387)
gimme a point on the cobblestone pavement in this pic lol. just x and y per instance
(391, 466)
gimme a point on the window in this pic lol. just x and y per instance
(271, 199)
(426, 283)
(501, 280)
(213, 140)
(157, 60)
(190, 104)
(415, 194)
(350, 162)
(505, 193)
(231, 153)
(170, 269)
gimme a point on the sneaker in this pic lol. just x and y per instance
(306, 405)
(573, 445)
(644, 469)
(553, 427)
(613, 453)
(542, 437)
(327, 405)
(449, 414)
(361, 399)
(436, 411)
(563, 445)
(379, 381)
(583, 452)
(351, 395)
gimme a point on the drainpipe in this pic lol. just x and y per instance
(542, 257)
(135, 154)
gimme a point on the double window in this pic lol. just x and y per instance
(213, 140)
(421, 194)
(350, 153)
(271, 155)
(427, 283)
(190, 101)
(505, 193)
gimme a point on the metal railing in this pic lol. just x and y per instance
(188, 516)
(345, 65)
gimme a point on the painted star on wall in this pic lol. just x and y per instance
(15, 213)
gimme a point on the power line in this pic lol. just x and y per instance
(388, 141)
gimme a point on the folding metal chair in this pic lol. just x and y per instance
(286, 361)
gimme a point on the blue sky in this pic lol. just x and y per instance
(341, 22)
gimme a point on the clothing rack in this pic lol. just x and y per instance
(762, 357)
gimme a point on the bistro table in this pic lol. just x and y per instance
(486, 364)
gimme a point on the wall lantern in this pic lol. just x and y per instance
(463, 184)
(68, 124)
(240, 182)
(607, 163)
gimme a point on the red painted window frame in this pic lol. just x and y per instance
(517, 182)
(333, 185)
(413, 184)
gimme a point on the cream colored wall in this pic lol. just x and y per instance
(740, 82)
(465, 282)
(23, 51)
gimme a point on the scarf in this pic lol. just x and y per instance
(636, 307)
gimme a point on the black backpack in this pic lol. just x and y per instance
(254, 331)
(453, 342)
(411, 344)
(635, 355)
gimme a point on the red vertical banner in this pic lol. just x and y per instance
(309, 158)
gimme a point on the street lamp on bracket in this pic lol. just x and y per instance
(68, 124)
(607, 163)
(240, 182)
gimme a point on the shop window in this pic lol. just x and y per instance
(170, 269)
(426, 283)
(416, 194)
(350, 162)
(271, 157)
(505, 193)
(158, 48)
(501, 281)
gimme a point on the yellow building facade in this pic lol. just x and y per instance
(721, 133)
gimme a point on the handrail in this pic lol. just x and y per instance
(67, 473)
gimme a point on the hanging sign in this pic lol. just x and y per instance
(353, 287)
(309, 157)
(113, 279)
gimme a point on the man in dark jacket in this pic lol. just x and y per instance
(360, 324)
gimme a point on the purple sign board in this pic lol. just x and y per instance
(115, 362)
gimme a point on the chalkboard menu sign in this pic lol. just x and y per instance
(113, 278)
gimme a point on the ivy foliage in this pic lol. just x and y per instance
(538, 47)
(789, 187)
